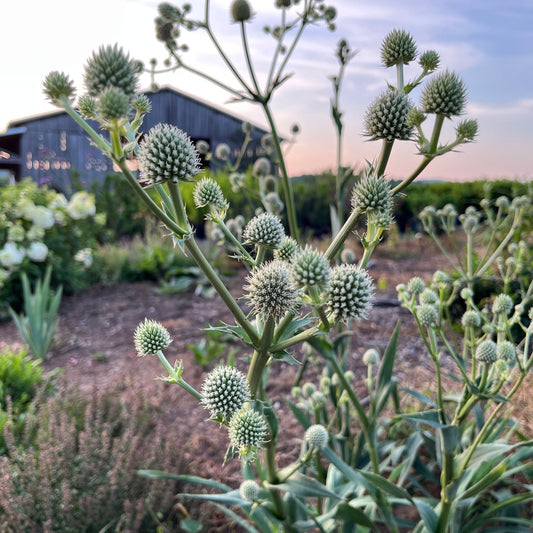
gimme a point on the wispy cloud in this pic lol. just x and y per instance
(518, 108)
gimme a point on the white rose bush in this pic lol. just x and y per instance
(452, 460)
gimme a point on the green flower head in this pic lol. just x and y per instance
(151, 337)
(208, 192)
(506, 350)
(386, 117)
(372, 194)
(167, 154)
(398, 47)
(264, 230)
(56, 86)
(247, 430)
(444, 94)
(310, 268)
(429, 61)
(316, 436)
(503, 304)
(249, 490)
(113, 104)
(241, 11)
(487, 352)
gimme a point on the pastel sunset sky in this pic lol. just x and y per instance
(489, 43)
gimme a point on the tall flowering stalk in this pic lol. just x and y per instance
(294, 295)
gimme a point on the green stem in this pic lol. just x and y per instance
(399, 76)
(386, 149)
(261, 356)
(407, 181)
(300, 337)
(176, 378)
(437, 128)
(342, 235)
(249, 61)
(233, 240)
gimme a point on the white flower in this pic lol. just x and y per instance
(41, 216)
(85, 257)
(37, 251)
(24, 208)
(58, 201)
(16, 233)
(11, 255)
(81, 205)
(35, 233)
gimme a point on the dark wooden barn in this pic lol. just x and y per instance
(49, 147)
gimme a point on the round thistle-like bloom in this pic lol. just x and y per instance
(372, 194)
(503, 304)
(506, 350)
(466, 130)
(241, 11)
(264, 230)
(261, 167)
(247, 429)
(318, 400)
(466, 293)
(428, 296)
(310, 268)
(445, 94)
(111, 67)
(87, 107)
(167, 154)
(487, 352)
(151, 337)
(471, 319)
(316, 436)
(429, 60)
(142, 104)
(428, 315)
(249, 490)
(416, 285)
(386, 117)
(415, 117)
(274, 203)
(222, 151)
(168, 11)
(398, 47)
(224, 391)
(271, 290)
(208, 192)
(113, 104)
(56, 86)
(350, 292)
(371, 357)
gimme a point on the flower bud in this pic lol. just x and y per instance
(241, 11)
(310, 268)
(506, 350)
(386, 117)
(350, 292)
(428, 296)
(222, 151)
(429, 60)
(415, 117)
(416, 285)
(167, 154)
(445, 94)
(348, 256)
(466, 130)
(249, 490)
(56, 86)
(372, 194)
(202, 147)
(261, 167)
(471, 319)
(142, 104)
(316, 436)
(247, 429)
(428, 315)
(503, 304)
(371, 357)
(224, 391)
(87, 107)
(486, 352)
(113, 104)
(271, 290)
(168, 11)
(264, 230)
(150, 337)
(398, 47)
(287, 249)
(208, 192)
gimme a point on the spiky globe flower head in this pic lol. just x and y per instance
(398, 47)
(249, 490)
(261, 167)
(150, 337)
(202, 147)
(372, 194)
(487, 352)
(246, 127)
(271, 290)
(310, 268)
(415, 117)
(444, 94)
(466, 130)
(87, 107)
(224, 391)
(428, 315)
(466, 293)
(264, 230)
(110, 66)
(427, 296)
(386, 117)
(241, 11)
(506, 350)
(113, 104)
(371, 357)
(503, 304)
(429, 60)
(222, 151)
(142, 104)
(416, 285)
(350, 292)
(316, 436)
(247, 429)
(168, 11)
(470, 223)
(57, 86)
(167, 154)
(208, 192)
(274, 203)
(348, 256)
(471, 319)
(502, 202)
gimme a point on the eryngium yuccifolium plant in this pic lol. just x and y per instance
(398, 47)
(110, 66)
(429, 60)
(506, 350)
(208, 192)
(264, 230)
(444, 94)
(466, 130)
(247, 429)
(241, 11)
(57, 85)
(113, 104)
(487, 352)
(287, 249)
(428, 297)
(386, 117)
(224, 391)
(503, 304)
(150, 337)
(316, 436)
(167, 154)
(371, 357)
(310, 268)
(350, 292)
(372, 194)
(249, 490)
(416, 285)
(428, 315)
(271, 290)
(142, 104)
(87, 107)
(471, 319)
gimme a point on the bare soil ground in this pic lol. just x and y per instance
(95, 347)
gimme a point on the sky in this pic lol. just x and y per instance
(488, 43)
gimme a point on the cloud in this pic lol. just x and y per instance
(521, 107)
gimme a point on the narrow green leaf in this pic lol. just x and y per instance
(385, 485)
(300, 415)
(487, 481)
(389, 356)
(431, 418)
(428, 515)
(304, 487)
(346, 512)
(184, 479)
(421, 397)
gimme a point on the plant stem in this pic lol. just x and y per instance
(261, 356)
(342, 235)
(386, 149)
